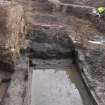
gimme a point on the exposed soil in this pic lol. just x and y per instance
(50, 33)
(50, 43)
(93, 3)
(82, 32)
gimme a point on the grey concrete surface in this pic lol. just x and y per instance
(51, 87)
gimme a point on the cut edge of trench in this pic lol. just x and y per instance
(82, 68)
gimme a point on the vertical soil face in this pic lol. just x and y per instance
(11, 31)
(49, 42)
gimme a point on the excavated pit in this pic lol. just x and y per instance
(52, 28)
(84, 30)
(52, 63)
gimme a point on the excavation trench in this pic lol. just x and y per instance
(55, 78)
(57, 85)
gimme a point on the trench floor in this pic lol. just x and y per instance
(57, 82)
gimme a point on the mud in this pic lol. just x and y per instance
(83, 32)
(12, 32)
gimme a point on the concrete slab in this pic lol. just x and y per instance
(51, 87)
